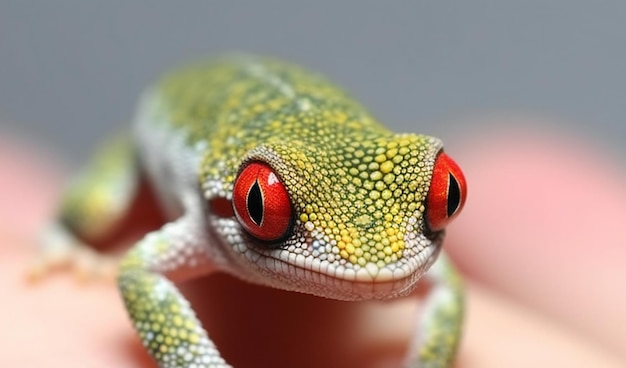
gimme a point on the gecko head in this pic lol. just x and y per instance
(362, 220)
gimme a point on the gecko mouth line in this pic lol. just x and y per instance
(362, 275)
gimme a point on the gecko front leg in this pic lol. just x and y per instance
(438, 329)
(93, 208)
(164, 319)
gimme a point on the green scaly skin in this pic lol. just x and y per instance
(357, 192)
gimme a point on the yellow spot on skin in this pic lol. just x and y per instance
(178, 321)
(363, 220)
(376, 175)
(189, 324)
(386, 167)
(380, 158)
(391, 153)
(389, 178)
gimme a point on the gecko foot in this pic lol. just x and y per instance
(62, 252)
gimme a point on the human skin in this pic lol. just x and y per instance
(540, 241)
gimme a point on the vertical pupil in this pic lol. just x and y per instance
(254, 203)
(454, 195)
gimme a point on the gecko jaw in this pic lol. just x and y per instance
(320, 277)
(309, 267)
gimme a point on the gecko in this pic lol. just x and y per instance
(270, 173)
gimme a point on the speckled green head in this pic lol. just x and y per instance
(324, 199)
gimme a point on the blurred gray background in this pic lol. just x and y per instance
(71, 71)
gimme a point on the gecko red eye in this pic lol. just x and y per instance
(447, 193)
(261, 203)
